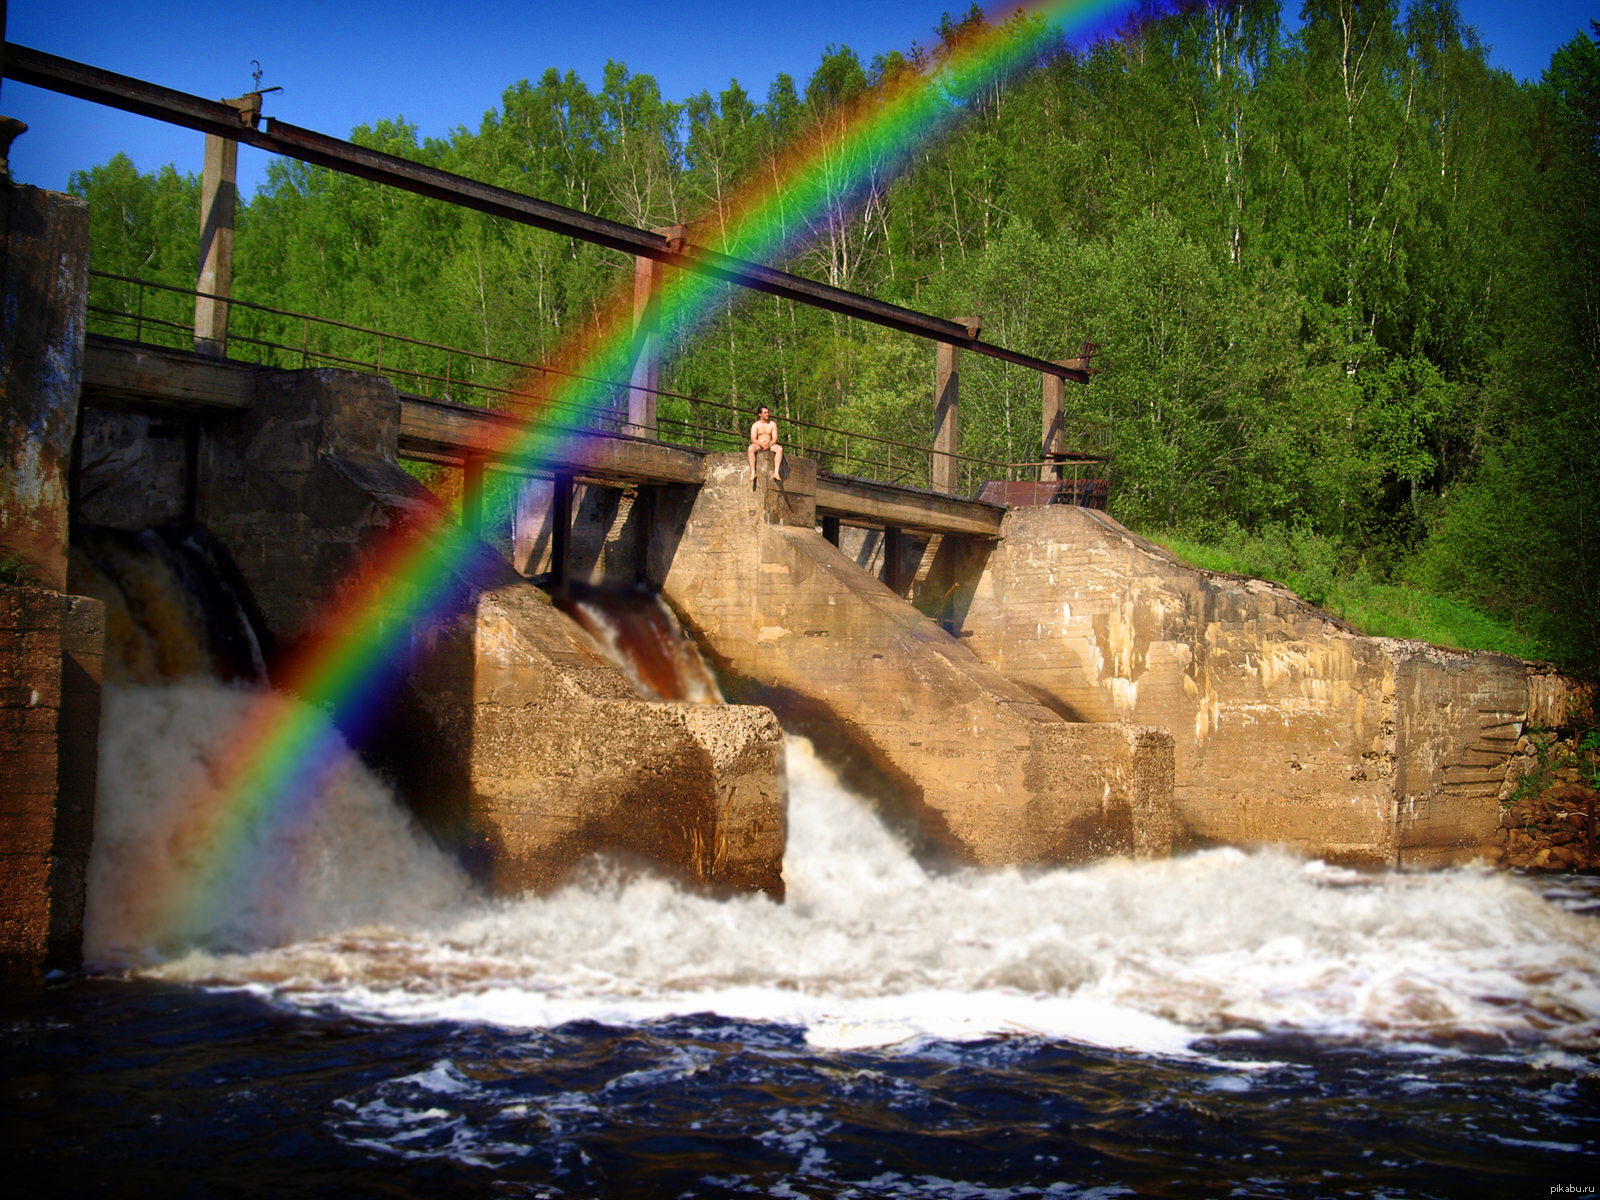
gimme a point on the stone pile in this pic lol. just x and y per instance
(1545, 824)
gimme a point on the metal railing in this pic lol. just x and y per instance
(162, 314)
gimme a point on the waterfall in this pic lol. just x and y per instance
(869, 948)
(642, 636)
(176, 607)
(342, 902)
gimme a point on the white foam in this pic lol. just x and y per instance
(342, 857)
(872, 950)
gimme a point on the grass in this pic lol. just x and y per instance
(1377, 609)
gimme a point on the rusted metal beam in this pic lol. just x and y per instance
(164, 104)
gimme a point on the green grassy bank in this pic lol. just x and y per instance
(1318, 572)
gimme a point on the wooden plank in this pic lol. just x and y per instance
(119, 374)
(440, 427)
(859, 501)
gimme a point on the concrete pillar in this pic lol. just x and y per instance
(946, 420)
(646, 377)
(970, 764)
(51, 647)
(561, 529)
(893, 551)
(1054, 441)
(472, 495)
(218, 200)
(219, 194)
(44, 282)
(50, 644)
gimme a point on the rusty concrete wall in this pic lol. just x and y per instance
(524, 750)
(44, 280)
(50, 654)
(511, 737)
(610, 532)
(302, 487)
(133, 468)
(1289, 728)
(565, 759)
(971, 762)
(50, 644)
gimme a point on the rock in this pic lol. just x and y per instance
(1519, 860)
(1491, 853)
(1566, 794)
(1510, 819)
(1541, 859)
(1578, 821)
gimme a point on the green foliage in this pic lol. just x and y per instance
(16, 571)
(1326, 573)
(1346, 278)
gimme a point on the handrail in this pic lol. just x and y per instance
(148, 99)
(849, 451)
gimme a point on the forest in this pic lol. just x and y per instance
(1345, 276)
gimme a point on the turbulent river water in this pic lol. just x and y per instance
(347, 1017)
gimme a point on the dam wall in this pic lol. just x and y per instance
(50, 642)
(525, 751)
(977, 767)
(511, 736)
(1289, 728)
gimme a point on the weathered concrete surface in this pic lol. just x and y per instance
(536, 752)
(303, 487)
(1290, 729)
(50, 655)
(50, 644)
(512, 737)
(44, 279)
(135, 469)
(987, 774)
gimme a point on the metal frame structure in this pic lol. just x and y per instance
(71, 78)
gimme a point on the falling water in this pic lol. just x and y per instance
(641, 635)
(1218, 1021)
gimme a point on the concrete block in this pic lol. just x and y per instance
(44, 265)
(956, 751)
(1289, 728)
(47, 774)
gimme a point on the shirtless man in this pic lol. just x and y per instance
(764, 436)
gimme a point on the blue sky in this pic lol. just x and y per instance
(346, 62)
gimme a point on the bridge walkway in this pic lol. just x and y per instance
(121, 374)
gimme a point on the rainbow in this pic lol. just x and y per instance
(279, 756)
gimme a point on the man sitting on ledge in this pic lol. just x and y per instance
(764, 436)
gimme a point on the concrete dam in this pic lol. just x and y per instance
(1027, 686)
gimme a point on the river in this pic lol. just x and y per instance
(347, 1017)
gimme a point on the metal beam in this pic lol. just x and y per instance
(164, 104)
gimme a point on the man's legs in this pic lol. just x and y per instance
(751, 455)
(777, 461)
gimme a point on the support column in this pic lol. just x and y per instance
(646, 377)
(561, 530)
(472, 495)
(219, 193)
(191, 471)
(946, 420)
(945, 473)
(1054, 442)
(893, 551)
(643, 515)
(50, 644)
